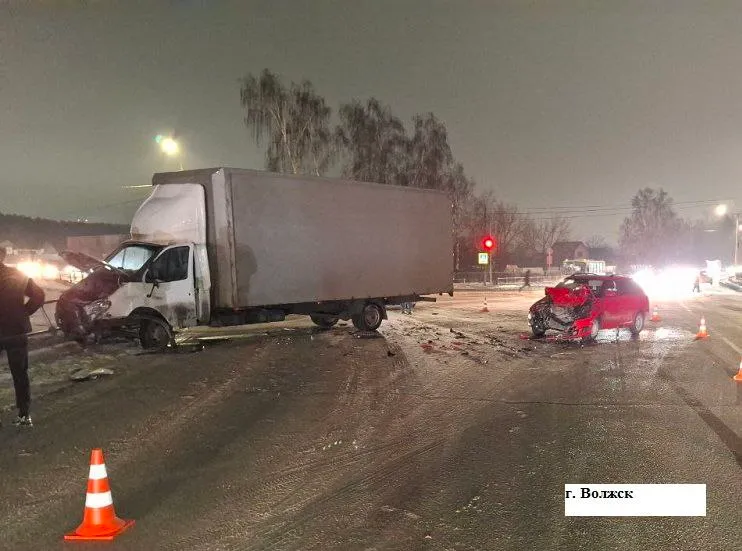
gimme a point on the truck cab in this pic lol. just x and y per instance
(152, 284)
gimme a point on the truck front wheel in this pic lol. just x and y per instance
(155, 335)
(370, 317)
(323, 320)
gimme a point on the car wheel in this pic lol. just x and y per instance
(594, 330)
(538, 327)
(638, 324)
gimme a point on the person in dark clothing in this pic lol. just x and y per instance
(526, 280)
(15, 323)
(697, 284)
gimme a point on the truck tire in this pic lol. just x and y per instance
(323, 320)
(370, 317)
(155, 334)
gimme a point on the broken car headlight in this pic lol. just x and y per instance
(97, 308)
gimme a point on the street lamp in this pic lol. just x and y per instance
(721, 210)
(169, 147)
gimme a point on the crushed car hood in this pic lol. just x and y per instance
(86, 262)
(562, 296)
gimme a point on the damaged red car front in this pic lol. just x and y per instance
(582, 305)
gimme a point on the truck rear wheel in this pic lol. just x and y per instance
(370, 317)
(323, 320)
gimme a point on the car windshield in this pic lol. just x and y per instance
(131, 258)
(572, 283)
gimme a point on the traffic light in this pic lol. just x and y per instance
(488, 243)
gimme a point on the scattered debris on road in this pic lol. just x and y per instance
(80, 374)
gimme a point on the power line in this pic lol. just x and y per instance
(603, 210)
(624, 205)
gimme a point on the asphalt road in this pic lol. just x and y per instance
(422, 438)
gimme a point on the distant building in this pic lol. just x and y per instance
(97, 246)
(9, 248)
(603, 253)
(568, 250)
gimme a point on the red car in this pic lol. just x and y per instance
(583, 304)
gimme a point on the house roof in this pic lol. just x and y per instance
(561, 248)
(570, 244)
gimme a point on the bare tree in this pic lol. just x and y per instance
(528, 237)
(507, 223)
(653, 232)
(429, 154)
(596, 242)
(295, 121)
(373, 141)
(550, 231)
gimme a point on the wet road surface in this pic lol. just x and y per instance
(446, 432)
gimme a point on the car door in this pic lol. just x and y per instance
(173, 291)
(611, 304)
(629, 302)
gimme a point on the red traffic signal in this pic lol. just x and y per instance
(488, 243)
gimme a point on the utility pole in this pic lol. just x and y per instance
(736, 237)
(489, 232)
(486, 221)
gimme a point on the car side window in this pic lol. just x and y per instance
(172, 265)
(608, 286)
(628, 287)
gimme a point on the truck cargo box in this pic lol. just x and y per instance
(278, 239)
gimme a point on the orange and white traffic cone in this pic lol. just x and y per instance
(485, 309)
(738, 376)
(655, 315)
(702, 332)
(99, 520)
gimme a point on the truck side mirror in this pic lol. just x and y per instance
(152, 276)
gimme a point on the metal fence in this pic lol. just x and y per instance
(504, 278)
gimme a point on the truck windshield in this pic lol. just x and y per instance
(132, 258)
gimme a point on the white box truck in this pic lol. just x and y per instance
(227, 246)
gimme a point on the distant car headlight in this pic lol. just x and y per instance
(30, 269)
(97, 308)
(50, 272)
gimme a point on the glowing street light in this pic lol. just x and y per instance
(169, 147)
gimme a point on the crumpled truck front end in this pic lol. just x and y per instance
(81, 308)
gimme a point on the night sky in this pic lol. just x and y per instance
(575, 105)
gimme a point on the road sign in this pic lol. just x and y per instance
(484, 258)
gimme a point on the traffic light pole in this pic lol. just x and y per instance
(489, 232)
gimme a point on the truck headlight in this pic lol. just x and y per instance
(97, 308)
